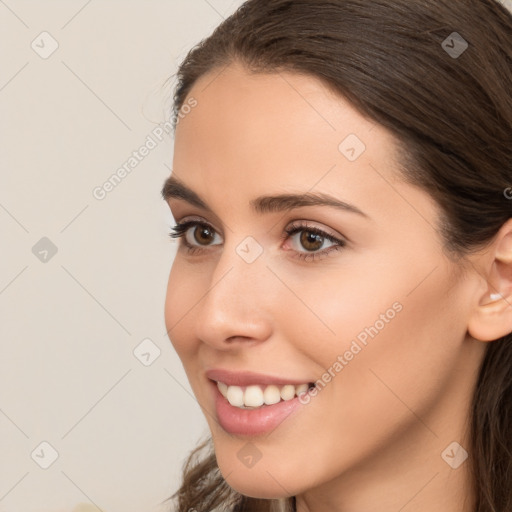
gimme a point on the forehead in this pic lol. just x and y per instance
(262, 106)
(288, 131)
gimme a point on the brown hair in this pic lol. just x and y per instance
(398, 63)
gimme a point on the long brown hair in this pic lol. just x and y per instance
(448, 100)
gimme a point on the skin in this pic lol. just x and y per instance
(372, 439)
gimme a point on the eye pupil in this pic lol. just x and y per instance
(307, 237)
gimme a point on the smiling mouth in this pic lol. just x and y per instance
(254, 397)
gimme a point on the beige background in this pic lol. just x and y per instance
(69, 324)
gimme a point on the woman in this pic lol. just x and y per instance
(341, 293)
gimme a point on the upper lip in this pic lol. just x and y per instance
(232, 378)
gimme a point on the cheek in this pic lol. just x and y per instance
(181, 298)
(399, 348)
(381, 339)
(330, 310)
(413, 304)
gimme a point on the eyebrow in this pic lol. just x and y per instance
(173, 188)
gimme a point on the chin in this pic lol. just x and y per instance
(262, 480)
(261, 486)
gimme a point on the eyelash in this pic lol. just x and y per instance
(180, 229)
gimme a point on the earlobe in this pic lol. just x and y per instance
(491, 317)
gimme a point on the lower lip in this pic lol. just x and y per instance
(252, 422)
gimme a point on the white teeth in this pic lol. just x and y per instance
(301, 389)
(271, 395)
(253, 396)
(287, 392)
(223, 388)
(256, 396)
(235, 396)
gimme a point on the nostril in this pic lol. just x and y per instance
(238, 338)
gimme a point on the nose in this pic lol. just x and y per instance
(237, 306)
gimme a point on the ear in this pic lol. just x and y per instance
(491, 317)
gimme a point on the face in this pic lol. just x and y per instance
(356, 296)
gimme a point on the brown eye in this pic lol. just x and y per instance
(195, 234)
(203, 235)
(311, 241)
